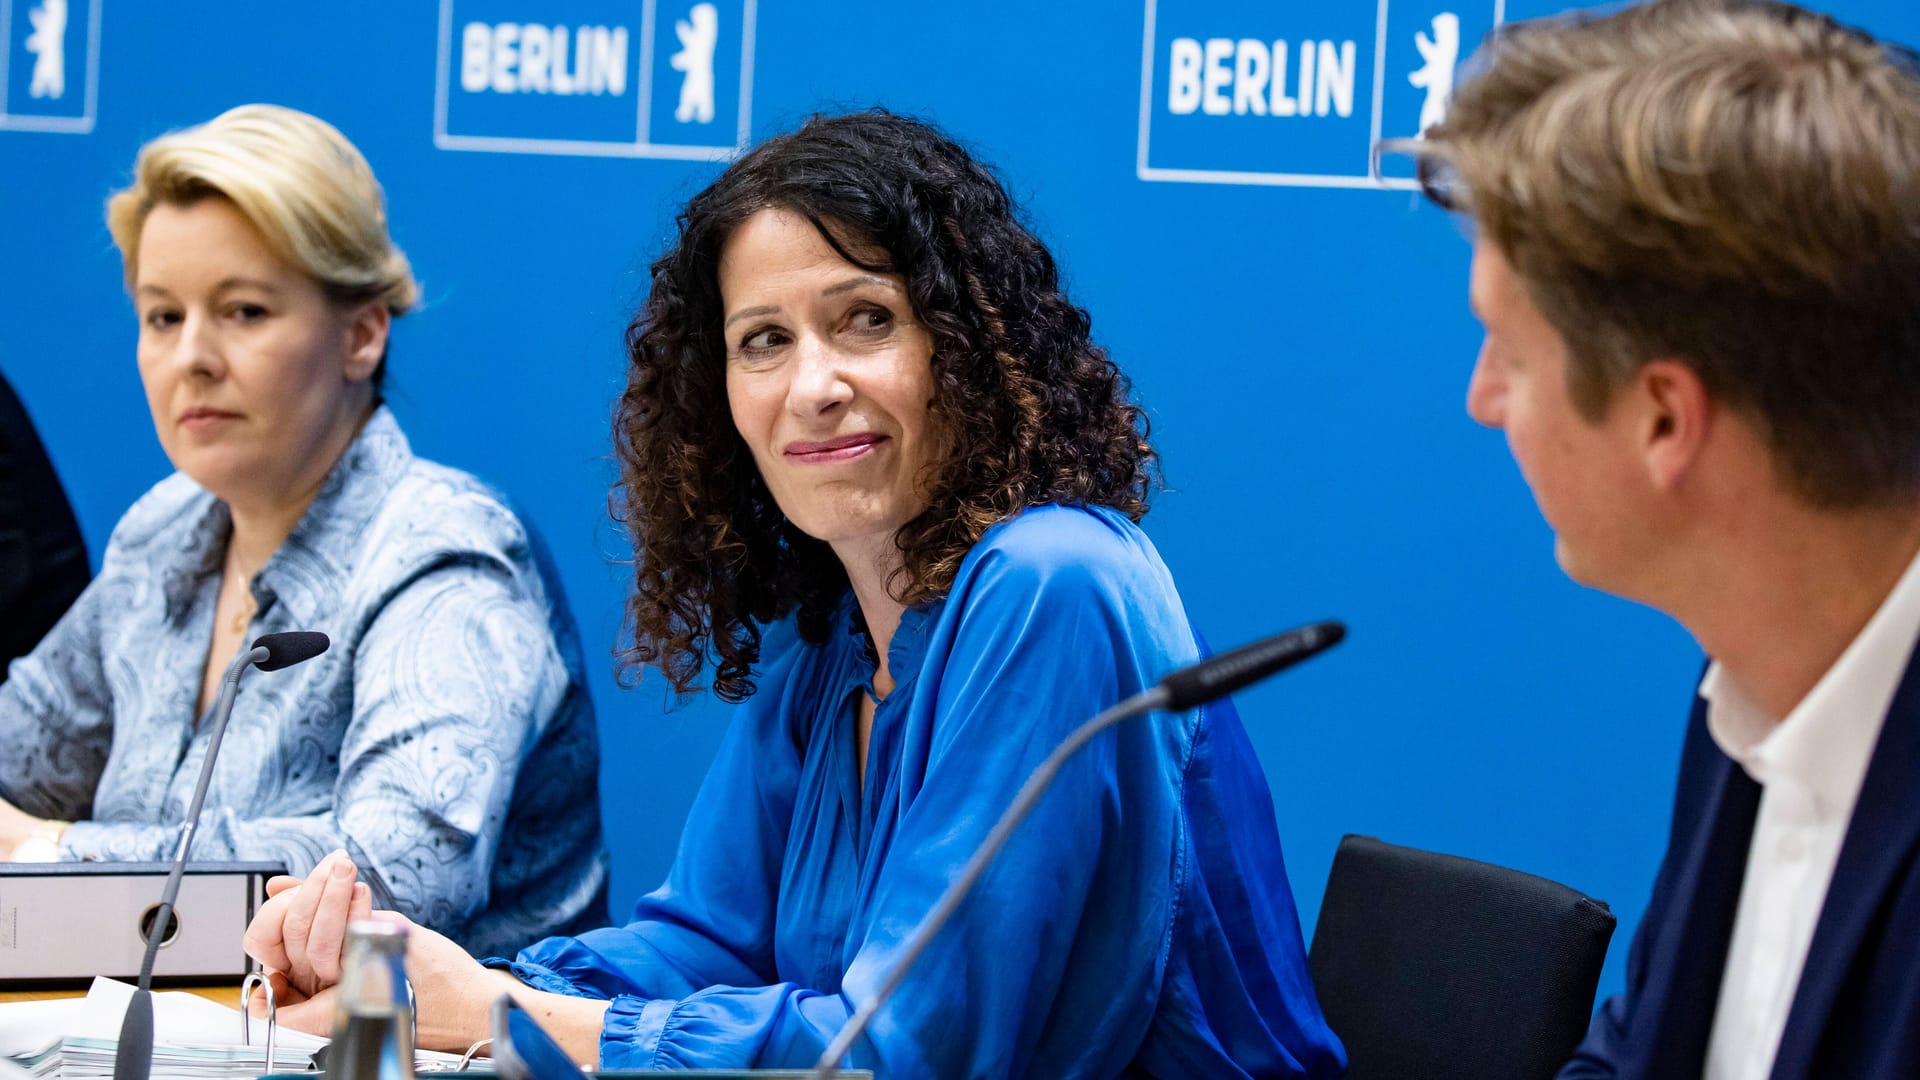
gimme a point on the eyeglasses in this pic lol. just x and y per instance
(1439, 179)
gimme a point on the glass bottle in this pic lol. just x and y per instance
(373, 1020)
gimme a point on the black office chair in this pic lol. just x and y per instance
(1432, 967)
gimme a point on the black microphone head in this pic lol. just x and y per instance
(133, 1055)
(290, 648)
(1197, 684)
(1322, 635)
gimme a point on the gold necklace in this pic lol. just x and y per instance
(244, 615)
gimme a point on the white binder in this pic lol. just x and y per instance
(68, 922)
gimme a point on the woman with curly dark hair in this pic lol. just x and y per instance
(882, 482)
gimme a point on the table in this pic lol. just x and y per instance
(221, 995)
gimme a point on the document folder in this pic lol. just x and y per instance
(64, 923)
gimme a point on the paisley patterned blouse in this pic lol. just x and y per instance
(446, 740)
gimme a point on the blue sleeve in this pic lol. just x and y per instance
(1597, 1057)
(712, 922)
(1031, 645)
(56, 717)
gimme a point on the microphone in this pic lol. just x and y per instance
(1195, 684)
(290, 648)
(133, 1057)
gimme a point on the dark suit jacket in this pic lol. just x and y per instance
(1856, 1013)
(43, 561)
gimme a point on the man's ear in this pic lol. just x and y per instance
(1676, 413)
(367, 339)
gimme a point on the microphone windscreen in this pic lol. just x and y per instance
(290, 648)
(133, 1055)
(1197, 684)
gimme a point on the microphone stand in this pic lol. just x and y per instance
(136, 1028)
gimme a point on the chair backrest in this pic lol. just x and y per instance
(1432, 967)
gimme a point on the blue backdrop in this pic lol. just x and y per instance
(1298, 333)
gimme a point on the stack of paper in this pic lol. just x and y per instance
(30, 1033)
(92, 1059)
(75, 1039)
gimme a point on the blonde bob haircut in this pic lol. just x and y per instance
(296, 178)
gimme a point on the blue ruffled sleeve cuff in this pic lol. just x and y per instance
(538, 977)
(631, 1039)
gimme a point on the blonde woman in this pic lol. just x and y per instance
(445, 745)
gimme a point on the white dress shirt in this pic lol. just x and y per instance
(1810, 767)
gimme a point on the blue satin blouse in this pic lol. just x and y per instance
(1138, 923)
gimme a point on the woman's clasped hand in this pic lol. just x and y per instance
(299, 938)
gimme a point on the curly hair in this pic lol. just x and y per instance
(1028, 408)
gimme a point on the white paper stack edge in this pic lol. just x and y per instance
(75, 1039)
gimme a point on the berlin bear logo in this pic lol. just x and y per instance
(698, 34)
(1441, 52)
(48, 44)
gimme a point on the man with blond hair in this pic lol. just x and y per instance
(1697, 259)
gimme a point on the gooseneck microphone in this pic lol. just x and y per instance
(1195, 684)
(289, 648)
(133, 1058)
